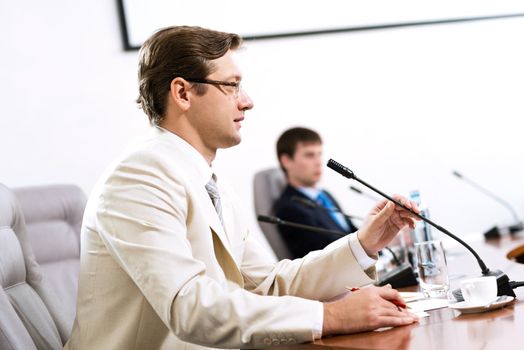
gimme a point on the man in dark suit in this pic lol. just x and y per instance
(299, 152)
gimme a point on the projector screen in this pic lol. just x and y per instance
(272, 18)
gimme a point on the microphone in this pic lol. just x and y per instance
(403, 276)
(312, 204)
(367, 195)
(503, 283)
(278, 221)
(495, 231)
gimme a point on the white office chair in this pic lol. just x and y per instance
(31, 315)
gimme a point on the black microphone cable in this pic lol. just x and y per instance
(395, 258)
(515, 284)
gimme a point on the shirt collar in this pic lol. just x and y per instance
(310, 192)
(203, 170)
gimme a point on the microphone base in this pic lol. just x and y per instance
(503, 286)
(496, 232)
(402, 276)
(514, 229)
(492, 233)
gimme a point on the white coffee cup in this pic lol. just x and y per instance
(480, 290)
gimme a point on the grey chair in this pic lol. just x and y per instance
(53, 216)
(31, 314)
(268, 185)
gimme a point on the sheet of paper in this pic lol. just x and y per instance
(427, 304)
(420, 314)
(411, 296)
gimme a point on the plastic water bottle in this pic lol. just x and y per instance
(422, 231)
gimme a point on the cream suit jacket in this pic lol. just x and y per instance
(159, 271)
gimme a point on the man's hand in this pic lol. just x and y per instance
(383, 222)
(365, 310)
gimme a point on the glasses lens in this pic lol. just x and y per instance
(238, 87)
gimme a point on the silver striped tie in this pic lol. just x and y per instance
(212, 190)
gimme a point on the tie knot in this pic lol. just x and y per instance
(321, 197)
(324, 200)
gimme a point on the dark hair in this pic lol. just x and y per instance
(172, 52)
(288, 141)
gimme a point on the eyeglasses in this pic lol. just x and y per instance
(235, 85)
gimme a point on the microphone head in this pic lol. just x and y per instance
(354, 189)
(269, 219)
(339, 168)
(457, 174)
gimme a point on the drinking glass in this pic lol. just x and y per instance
(432, 269)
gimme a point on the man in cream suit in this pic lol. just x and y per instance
(167, 259)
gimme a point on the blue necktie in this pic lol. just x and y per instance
(324, 200)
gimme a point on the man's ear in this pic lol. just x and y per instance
(179, 93)
(285, 160)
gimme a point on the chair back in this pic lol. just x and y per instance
(268, 186)
(31, 316)
(53, 217)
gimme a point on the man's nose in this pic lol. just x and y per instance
(244, 101)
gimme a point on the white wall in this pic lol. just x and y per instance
(402, 108)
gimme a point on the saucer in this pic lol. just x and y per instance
(467, 308)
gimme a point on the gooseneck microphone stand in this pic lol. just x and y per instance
(505, 287)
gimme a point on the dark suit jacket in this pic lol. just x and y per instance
(300, 242)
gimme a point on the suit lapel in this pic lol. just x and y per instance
(221, 241)
(215, 224)
(213, 219)
(226, 261)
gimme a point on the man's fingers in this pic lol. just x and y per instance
(389, 293)
(392, 321)
(404, 213)
(385, 213)
(404, 201)
(395, 312)
(407, 203)
(379, 206)
(393, 309)
(415, 208)
(409, 222)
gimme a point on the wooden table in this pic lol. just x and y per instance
(446, 328)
